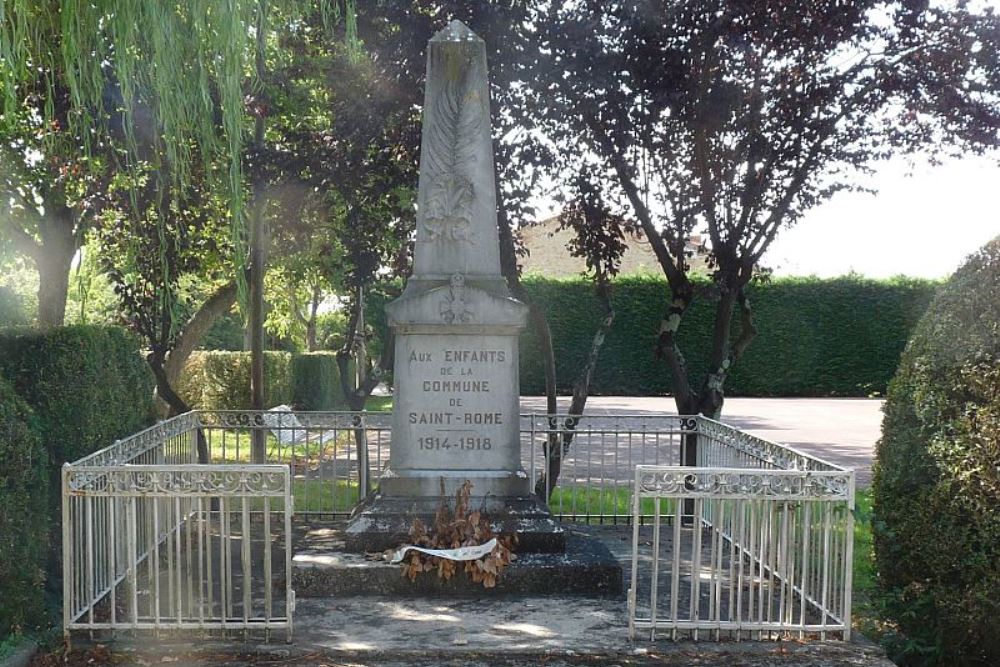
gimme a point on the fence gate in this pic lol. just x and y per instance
(742, 553)
(188, 547)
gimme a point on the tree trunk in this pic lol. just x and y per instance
(357, 393)
(311, 335)
(176, 404)
(581, 390)
(53, 284)
(53, 259)
(311, 322)
(508, 267)
(257, 240)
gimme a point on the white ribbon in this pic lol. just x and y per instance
(461, 553)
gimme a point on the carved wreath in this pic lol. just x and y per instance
(454, 307)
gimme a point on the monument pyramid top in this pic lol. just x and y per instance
(456, 31)
(456, 201)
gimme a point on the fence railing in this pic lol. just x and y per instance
(754, 542)
(327, 451)
(153, 541)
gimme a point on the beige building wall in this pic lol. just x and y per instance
(548, 248)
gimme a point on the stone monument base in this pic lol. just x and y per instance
(323, 567)
(383, 522)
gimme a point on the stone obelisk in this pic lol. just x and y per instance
(455, 413)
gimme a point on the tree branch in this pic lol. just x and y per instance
(196, 327)
(675, 276)
(22, 240)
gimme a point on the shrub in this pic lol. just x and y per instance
(88, 385)
(936, 486)
(23, 521)
(316, 382)
(216, 380)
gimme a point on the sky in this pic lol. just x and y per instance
(921, 223)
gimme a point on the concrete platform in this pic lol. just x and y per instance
(489, 628)
(322, 568)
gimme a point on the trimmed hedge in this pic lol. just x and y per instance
(23, 514)
(936, 485)
(316, 381)
(88, 385)
(839, 337)
(218, 380)
(836, 337)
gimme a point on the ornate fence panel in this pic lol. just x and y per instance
(749, 552)
(325, 452)
(177, 547)
(596, 456)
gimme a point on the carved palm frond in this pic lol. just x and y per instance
(458, 116)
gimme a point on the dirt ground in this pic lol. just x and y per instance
(776, 654)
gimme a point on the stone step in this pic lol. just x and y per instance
(382, 523)
(322, 567)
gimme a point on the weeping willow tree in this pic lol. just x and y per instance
(187, 72)
(161, 91)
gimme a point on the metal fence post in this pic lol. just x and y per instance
(67, 553)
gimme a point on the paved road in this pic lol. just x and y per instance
(840, 430)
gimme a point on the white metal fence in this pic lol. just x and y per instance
(326, 452)
(153, 541)
(756, 541)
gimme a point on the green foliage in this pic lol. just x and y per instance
(23, 519)
(88, 385)
(91, 296)
(936, 485)
(316, 382)
(839, 337)
(330, 330)
(226, 333)
(218, 380)
(11, 308)
(18, 291)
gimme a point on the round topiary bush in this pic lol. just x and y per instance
(936, 487)
(23, 515)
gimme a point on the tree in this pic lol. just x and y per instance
(177, 88)
(732, 119)
(159, 251)
(44, 179)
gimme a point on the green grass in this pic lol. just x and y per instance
(864, 606)
(235, 448)
(597, 502)
(314, 495)
(9, 644)
(379, 404)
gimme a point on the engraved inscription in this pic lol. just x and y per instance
(457, 398)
